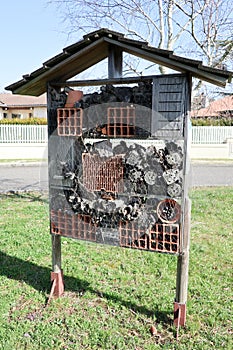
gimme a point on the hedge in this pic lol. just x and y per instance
(212, 122)
(29, 121)
(195, 122)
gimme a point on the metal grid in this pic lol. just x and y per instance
(121, 121)
(161, 237)
(76, 226)
(102, 174)
(69, 121)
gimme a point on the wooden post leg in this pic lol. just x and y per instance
(56, 253)
(182, 272)
(56, 275)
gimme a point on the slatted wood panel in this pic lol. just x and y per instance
(169, 104)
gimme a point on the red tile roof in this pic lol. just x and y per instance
(11, 100)
(215, 108)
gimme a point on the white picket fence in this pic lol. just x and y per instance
(38, 134)
(23, 133)
(211, 134)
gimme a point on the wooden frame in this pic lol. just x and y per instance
(183, 257)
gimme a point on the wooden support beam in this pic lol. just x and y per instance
(57, 274)
(182, 271)
(56, 253)
(112, 81)
(57, 288)
(115, 62)
(98, 82)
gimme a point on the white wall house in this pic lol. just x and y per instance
(23, 107)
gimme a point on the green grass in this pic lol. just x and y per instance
(113, 295)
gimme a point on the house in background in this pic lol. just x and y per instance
(22, 107)
(219, 108)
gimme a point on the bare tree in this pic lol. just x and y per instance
(200, 28)
(211, 30)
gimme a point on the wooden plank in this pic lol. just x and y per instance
(171, 97)
(52, 104)
(112, 81)
(56, 253)
(183, 259)
(168, 106)
(115, 59)
(182, 67)
(171, 106)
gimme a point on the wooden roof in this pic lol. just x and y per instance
(95, 47)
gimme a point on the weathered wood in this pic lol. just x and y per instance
(183, 258)
(115, 59)
(52, 104)
(93, 49)
(179, 64)
(98, 82)
(56, 253)
(170, 104)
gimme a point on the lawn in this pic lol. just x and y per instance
(114, 295)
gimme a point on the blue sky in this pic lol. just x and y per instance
(31, 33)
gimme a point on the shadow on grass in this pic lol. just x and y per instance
(39, 278)
(35, 196)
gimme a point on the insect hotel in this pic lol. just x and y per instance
(118, 154)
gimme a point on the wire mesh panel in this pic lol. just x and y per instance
(118, 177)
(124, 194)
(69, 121)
